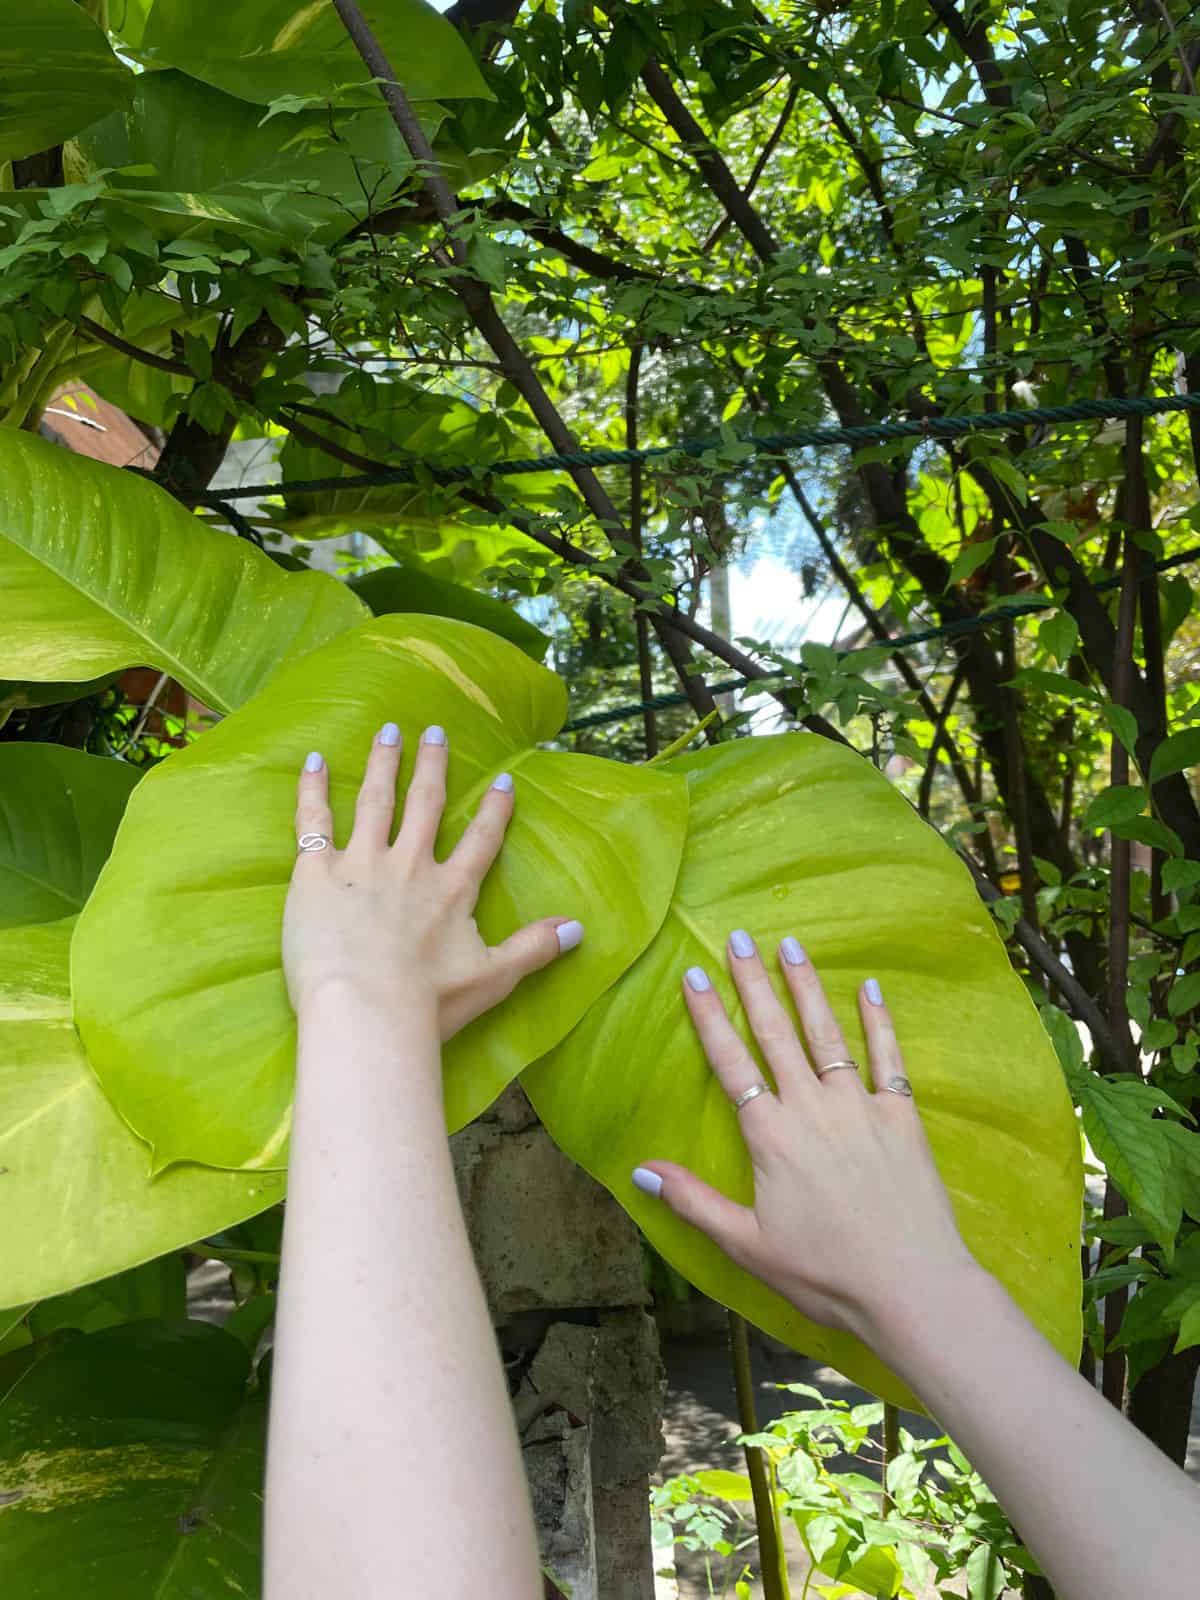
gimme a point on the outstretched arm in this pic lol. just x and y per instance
(851, 1222)
(389, 1409)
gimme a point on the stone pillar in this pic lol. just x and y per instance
(561, 1266)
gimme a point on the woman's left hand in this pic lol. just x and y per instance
(388, 920)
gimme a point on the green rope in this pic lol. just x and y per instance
(867, 434)
(904, 641)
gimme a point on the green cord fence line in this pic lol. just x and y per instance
(866, 434)
(904, 641)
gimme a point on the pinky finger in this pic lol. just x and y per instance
(313, 813)
(887, 1064)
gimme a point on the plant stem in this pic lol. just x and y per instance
(891, 1448)
(770, 1546)
(269, 1257)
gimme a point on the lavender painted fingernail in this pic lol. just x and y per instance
(792, 952)
(434, 735)
(649, 1181)
(697, 980)
(314, 762)
(873, 992)
(504, 783)
(389, 734)
(741, 943)
(568, 934)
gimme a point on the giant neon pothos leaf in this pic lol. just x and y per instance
(131, 1464)
(411, 589)
(265, 49)
(795, 834)
(79, 1201)
(58, 74)
(101, 569)
(179, 992)
(59, 810)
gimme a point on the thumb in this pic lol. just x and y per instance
(531, 948)
(734, 1227)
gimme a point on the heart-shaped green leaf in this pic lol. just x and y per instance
(59, 810)
(59, 74)
(797, 835)
(101, 569)
(405, 588)
(179, 992)
(131, 1465)
(265, 49)
(79, 1202)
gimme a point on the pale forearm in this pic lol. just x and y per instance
(388, 1396)
(1104, 1511)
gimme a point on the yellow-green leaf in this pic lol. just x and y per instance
(797, 835)
(101, 569)
(179, 992)
(79, 1202)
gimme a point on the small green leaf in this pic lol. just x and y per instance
(1178, 875)
(1119, 803)
(1184, 994)
(1189, 1328)
(1123, 724)
(488, 261)
(969, 559)
(1059, 635)
(1149, 830)
(1176, 754)
(198, 355)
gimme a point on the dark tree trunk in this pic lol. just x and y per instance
(1160, 1403)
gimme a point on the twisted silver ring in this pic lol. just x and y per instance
(313, 841)
(750, 1094)
(834, 1065)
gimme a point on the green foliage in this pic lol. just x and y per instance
(131, 1463)
(796, 834)
(938, 1523)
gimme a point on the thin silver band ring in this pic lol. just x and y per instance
(751, 1093)
(833, 1066)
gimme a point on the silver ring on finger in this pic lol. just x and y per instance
(835, 1066)
(313, 841)
(751, 1093)
(899, 1085)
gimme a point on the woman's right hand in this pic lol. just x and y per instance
(850, 1216)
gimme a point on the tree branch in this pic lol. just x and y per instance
(477, 299)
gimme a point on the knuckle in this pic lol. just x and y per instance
(772, 1029)
(726, 1055)
(827, 1040)
(374, 796)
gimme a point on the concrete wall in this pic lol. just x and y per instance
(561, 1267)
